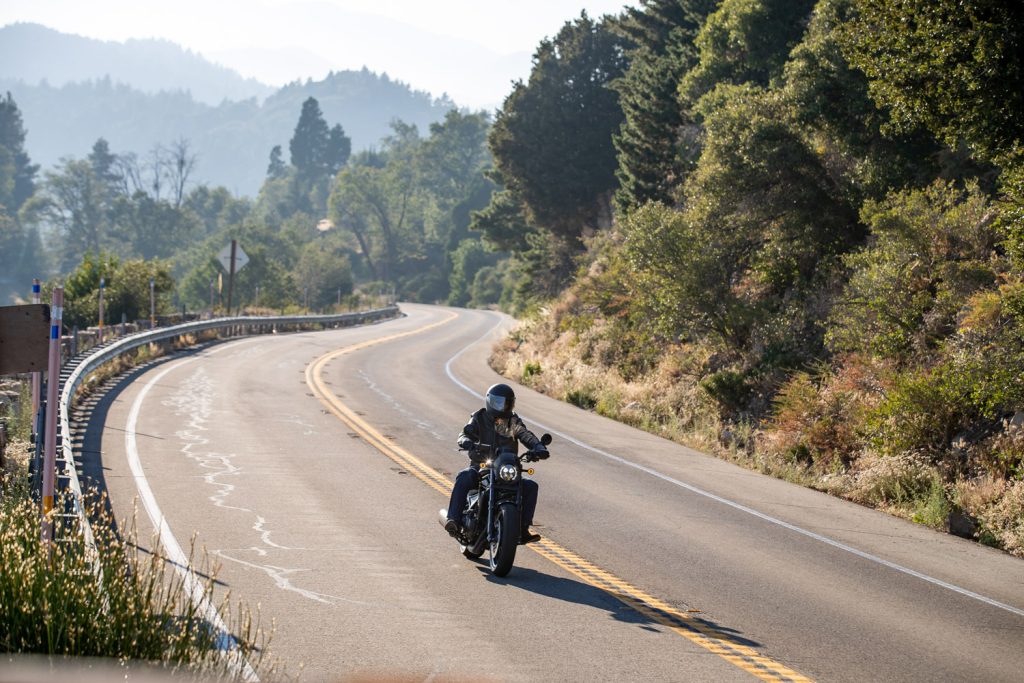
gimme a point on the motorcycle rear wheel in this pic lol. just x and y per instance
(503, 548)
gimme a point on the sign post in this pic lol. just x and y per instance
(50, 438)
(233, 259)
(103, 285)
(37, 376)
(152, 305)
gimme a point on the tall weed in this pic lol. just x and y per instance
(52, 602)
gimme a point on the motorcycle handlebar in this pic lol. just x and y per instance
(540, 448)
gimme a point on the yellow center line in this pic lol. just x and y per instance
(693, 628)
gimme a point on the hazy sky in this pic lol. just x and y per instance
(471, 49)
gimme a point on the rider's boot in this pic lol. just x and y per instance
(452, 527)
(527, 537)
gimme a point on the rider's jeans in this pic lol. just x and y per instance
(469, 478)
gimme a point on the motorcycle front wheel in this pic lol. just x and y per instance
(506, 540)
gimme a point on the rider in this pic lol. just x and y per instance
(497, 425)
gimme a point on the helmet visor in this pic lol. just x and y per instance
(499, 404)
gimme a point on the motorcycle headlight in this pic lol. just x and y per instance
(508, 472)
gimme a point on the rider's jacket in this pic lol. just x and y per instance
(502, 433)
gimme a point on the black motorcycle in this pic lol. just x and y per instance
(491, 517)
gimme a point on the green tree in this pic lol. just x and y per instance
(151, 228)
(76, 203)
(832, 105)
(956, 68)
(17, 173)
(661, 35)
(308, 145)
(760, 187)
(276, 168)
(745, 41)
(503, 222)
(552, 138)
(762, 228)
(216, 208)
(317, 153)
(127, 289)
(81, 289)
(467, 260)
(338, 149)
(104, 162)
(454, 156)
(378, 199)
(930, 251)
(323, 276)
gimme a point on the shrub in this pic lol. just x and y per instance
(731, 389)
(896, 480)
(922, 414)
(1001, 455)
(1003, 521)
(930, 250)
(582, 397)
(933, 508)
(51, 602)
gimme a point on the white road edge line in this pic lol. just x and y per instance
(739, 506)
(171, 546)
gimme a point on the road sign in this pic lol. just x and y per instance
(24, 331)
(225, 258)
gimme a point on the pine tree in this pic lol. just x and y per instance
(339, 148)
(276, 168)
(308, 145)
(662, 33)
(17, 173)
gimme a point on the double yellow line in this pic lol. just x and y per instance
(686, 624)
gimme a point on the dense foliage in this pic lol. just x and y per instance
(816, 261)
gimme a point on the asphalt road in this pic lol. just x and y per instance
(311, 466)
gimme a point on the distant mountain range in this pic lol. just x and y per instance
(138, 94)
(34, 53)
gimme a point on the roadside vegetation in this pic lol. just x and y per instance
(125, 602)
(815, 266)
(52, 603)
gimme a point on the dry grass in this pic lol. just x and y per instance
(815, 437)
(52, 602)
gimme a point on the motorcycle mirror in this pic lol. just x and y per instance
(546, 439)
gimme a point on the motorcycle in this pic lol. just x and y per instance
(491, 517)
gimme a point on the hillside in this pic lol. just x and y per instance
(33, 53)
(232, 140)
(142, 93)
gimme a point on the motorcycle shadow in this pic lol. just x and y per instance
(580, 593)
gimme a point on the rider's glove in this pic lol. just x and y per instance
(466, 444)
(540, 453)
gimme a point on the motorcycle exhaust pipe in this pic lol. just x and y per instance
(442, 516)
